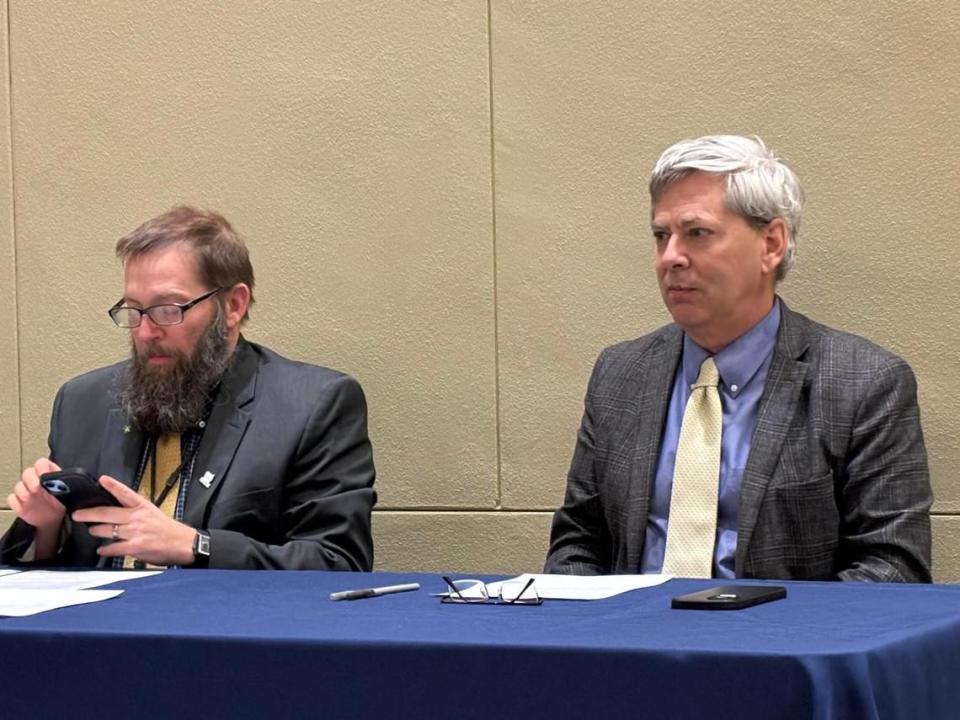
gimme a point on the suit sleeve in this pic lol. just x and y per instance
(19, 538)
(885, 499)
(579, 538)
(327, 495)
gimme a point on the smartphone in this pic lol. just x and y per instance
(729, 597)
(76, 489)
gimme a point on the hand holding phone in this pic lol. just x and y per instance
(34, 505)
(77, 489)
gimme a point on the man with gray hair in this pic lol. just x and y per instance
(743, 440)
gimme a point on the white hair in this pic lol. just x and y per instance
(760, 187)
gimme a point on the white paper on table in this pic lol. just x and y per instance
(67, 580)
(8, 572)
(582, 587)
(20, 603)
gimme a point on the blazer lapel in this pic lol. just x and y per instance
(226, 427)
(653, 373)
(121, 449)
(782, 388)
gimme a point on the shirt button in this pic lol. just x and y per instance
(734, 388)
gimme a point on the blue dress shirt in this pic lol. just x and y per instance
(743, 369)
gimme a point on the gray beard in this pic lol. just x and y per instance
(174, 398)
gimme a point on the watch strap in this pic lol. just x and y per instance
(201, 549)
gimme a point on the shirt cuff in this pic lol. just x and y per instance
(30, 554)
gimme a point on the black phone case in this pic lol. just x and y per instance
(729, 597)
(76, 489)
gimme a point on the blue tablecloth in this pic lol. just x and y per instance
(229, 644)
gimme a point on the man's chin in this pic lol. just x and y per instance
(157, 366)
(687, 315)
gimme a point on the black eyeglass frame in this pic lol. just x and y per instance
(455, 597)
(182, 307)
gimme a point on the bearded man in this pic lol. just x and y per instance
(220, 452)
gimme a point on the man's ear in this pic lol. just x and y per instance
(236, 300)
(775, 239)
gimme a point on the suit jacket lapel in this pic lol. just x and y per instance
(121, 449)
(782, 388)
(225, 429)
(654, 373)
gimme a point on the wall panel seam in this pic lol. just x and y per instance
(11, 155)
(493, 240)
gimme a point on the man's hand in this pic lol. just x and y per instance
(32, 503)
(139, 528)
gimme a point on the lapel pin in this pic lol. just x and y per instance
(126, 429)
(206, 479)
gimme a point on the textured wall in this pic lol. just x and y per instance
(9, 367)
(447, 201)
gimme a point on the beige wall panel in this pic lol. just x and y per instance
(860, 97)
(946, 549)
(6, 519)
(349, 142)
(478, 542)
(9, 364)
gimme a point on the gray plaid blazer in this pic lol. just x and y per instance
(836, 485)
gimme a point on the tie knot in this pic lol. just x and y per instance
(709, 375)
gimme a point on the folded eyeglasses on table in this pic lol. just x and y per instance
(476, 592)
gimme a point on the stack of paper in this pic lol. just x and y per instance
(37, 591)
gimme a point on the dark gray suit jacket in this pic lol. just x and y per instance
(286, 443)
(836, 484)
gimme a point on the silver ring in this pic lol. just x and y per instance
(115, 535)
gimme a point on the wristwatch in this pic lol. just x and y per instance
(201, 549)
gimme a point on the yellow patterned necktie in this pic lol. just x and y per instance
(692, 526)
(167, 457)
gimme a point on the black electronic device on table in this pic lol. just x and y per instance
(729, 597)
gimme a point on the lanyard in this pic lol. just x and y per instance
(167, 486)
(171, 481)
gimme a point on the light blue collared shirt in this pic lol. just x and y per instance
(743, 369)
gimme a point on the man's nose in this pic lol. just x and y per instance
(673, 253)
(147, 329)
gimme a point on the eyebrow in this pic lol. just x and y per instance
(685, 221)
(163, 299)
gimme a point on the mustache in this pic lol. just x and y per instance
(154, 349)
